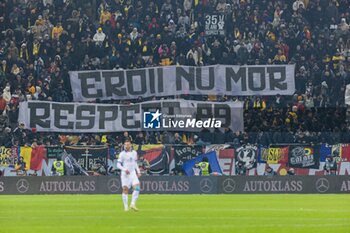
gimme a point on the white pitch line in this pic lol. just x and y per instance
(244, 209)
(249, 217)
(242, 226)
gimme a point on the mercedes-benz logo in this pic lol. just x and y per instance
(322, 185)
(22, 185)
(229, 185)
(113, 185)
(206, 185)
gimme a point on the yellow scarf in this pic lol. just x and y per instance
(36, 48)
(144, 49)
(26, 54)
(237, 34)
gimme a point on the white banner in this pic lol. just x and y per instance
(170, 115)
(177, 80)
(215, 25)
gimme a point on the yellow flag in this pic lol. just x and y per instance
(274, 155)
(26, 153)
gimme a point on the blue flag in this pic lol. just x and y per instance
(325, 150)
(213, 162)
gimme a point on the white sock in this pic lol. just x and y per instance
(135, 195)
(125, 200)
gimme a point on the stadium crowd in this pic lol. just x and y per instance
(41, 40)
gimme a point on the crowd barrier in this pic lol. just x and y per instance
(177, 185)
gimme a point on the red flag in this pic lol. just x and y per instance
(38, 154)
(345, 153)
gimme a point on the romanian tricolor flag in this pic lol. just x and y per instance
(33, 156)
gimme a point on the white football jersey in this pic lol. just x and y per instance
(128, 160)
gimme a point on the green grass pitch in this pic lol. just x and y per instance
(176, 213)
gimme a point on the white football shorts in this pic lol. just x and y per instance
(129, 180)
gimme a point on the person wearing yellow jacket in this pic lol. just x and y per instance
(57, 168)
(57, 31)
(204, 167)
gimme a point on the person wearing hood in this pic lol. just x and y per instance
(343, 26)
(134, 34)
(57, 31)
(6, 95)
(99, 37)
(105, 15)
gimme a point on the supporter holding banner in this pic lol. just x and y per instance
(172, 115)
(215, 25)
(177, 80)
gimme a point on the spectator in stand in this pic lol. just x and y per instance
(21, 167)
(330, 166)
(269, 171)
(40, 42)
(240, 169)
(99, 37)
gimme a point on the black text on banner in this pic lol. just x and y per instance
(80, 117)
(176, 80)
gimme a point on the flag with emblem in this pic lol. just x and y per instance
(248, 155)
(303, 157)
(184, 153)
(341, 152)
(157, 155)
(337, 152)
(273, 155)
(88, 156)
